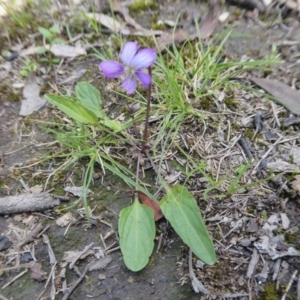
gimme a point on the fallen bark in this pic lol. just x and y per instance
(27, 203)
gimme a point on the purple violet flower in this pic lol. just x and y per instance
(133, 61)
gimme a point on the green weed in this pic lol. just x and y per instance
(29, 67)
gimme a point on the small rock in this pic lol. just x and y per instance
(26, 257)
(199, 264)
(224, 16)
(273, 220)
(18, 218)
(285, 221)
(245, 242)
(101, 276)
(285, 264)
(5, 243)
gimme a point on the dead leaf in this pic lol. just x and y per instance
(171, 178)
(296, 184)
(76, 74)
(285, 221)
(168, 38)
(37, 189)
(252, 226)
(65, 220)
(152, 204)
(32, 100)
(37, 272)
(271, 246)
(67, 51)
(109, 22)
(284, 94)
(101, 263)
(118, 7)
(70, 255)
(295, 153)
(211, 20)
(76, 190)
(283, 166)
(32, 50)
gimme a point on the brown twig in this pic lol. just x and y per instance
(79, 255)
(74, 285)
(34, 233)
(145, 135)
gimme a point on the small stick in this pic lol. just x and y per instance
(43, 230)
(15, 278)
(79, 255)
(275, 114)
(197, 285)
(289, 284)
(276, 269)
(112, 250)
(298, 288)
(103, 241)
(74, 285)
(50, 250)
(2, 297)
(253, 262)
(234, 295)
(159, 242)
(110, 246)
(42, 215)
(25, 186)
(242, 142)
(267, 153)
(257, 123)
(106, 223)
(27, 265)
(31, 235)
(77, 271)
(62, 198)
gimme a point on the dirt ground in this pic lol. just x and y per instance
(235, 223)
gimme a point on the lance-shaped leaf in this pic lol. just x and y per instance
(114, 125)
(89, 96)
(73, 109)
(137, 233)
(181, 210)
(283, 93)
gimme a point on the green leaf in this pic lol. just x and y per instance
(181, 210)
(116, 126)
(137, 232)
(54, 28)
(41, 50)
(89, 96)
(73, 109)
(45, 32)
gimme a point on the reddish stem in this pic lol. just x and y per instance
(145, 135)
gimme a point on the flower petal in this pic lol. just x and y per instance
(111, 69)
(144, 78)
(128, 52)
(143, 59)
(129, 84)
